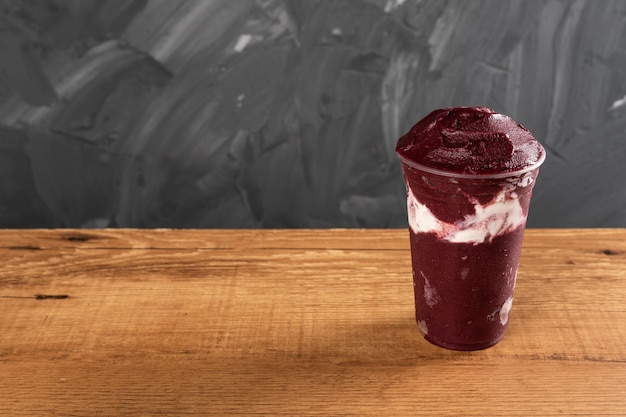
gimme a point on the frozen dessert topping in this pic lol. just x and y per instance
(470, 140)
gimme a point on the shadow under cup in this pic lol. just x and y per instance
(466, 236)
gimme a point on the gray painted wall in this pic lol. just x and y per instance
(284, 113)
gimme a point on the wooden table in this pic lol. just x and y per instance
(295, 323)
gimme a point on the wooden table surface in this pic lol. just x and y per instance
(295, 323)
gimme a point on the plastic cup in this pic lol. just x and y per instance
(466, 236)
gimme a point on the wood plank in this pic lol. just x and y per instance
(155, 325)
(193, 239)
(255, 386)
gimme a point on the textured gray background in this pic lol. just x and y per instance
(284, 113)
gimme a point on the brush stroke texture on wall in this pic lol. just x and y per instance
(284, 113)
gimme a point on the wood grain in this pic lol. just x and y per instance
(295, 322)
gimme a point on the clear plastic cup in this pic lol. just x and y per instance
(466, 236)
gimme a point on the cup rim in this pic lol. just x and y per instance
(460, 175)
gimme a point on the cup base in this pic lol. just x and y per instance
(461, 346)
